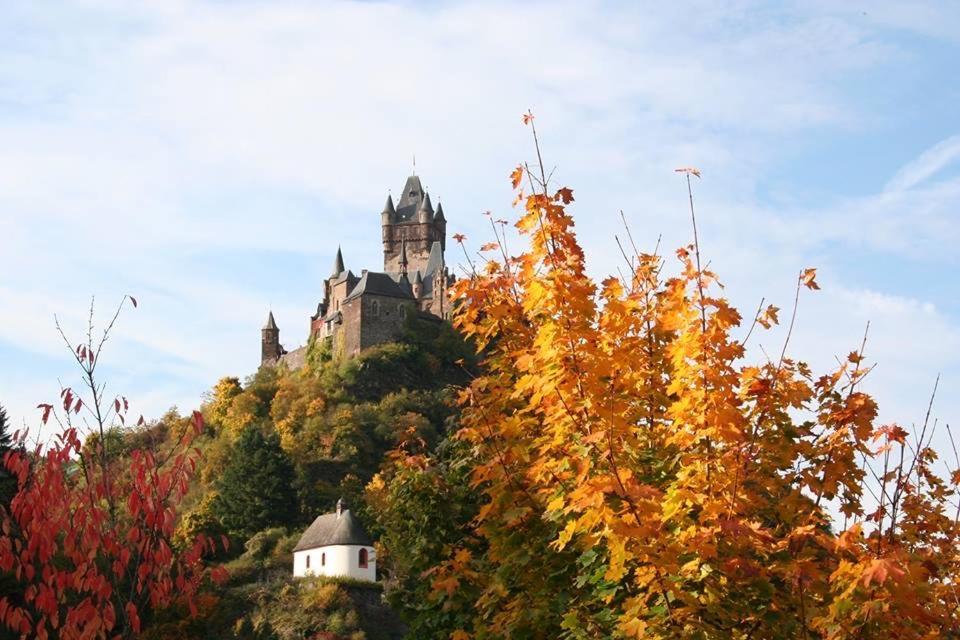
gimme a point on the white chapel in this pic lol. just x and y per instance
(335, 545)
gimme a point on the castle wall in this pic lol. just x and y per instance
(371, 320)
(348, 339)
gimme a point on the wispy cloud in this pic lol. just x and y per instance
(931, 162)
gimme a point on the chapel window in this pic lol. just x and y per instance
(363, 558)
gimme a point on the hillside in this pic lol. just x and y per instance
(280, 449)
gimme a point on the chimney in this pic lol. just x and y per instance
(340, 507)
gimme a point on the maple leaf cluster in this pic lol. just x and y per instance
(618, 428)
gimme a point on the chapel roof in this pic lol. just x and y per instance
(331, 529)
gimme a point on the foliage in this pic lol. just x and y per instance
(619, 424)
(88, 534)
(421, 506)
(256, 488)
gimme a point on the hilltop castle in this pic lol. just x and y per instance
(357, 312)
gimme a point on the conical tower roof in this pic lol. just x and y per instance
(439, 217)
(388, 207)
(338, 263)
(271, 323)
(425, 204)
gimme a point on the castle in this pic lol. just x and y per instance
(357, 312)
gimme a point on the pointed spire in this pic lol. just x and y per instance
(425, 204)
(338, 263)
(388, 207)
(271, 323)
(439, 217)
(418, 279)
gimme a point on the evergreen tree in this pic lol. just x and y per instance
(6, 439)
(8, 485)
(256, 489)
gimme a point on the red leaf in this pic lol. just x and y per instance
(47, 408)
(198, 421)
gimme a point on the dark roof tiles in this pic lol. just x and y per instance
(330, 529)
(379, 284)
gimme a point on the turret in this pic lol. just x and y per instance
(270, 350)
(389, 214)
(440, 223)
(338, 267)
(425, 212)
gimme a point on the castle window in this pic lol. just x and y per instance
(363, 558)
(323, 559)
(308, 561)
(375, 308)
(402, 308)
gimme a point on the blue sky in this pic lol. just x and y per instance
(208, 158)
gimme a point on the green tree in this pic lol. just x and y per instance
(8, 486)
(256, 489)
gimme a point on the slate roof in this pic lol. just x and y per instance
(345, 275)
(271, 323)
(410, 199)
(338, 267)
(380, 284)
(330, 529)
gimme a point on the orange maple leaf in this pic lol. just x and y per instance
(516, 176)
(768, 317)
(809, 278)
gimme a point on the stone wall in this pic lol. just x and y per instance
(420, 236)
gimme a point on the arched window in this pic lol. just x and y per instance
(375, 307)
(323, 559)
(308, 561)
(363, 558)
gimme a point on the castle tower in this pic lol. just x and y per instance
(270, 350)
(412, 220)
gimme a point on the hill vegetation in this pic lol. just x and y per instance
(611, 465)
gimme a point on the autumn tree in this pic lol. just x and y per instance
(87, 535)
(699, 494)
